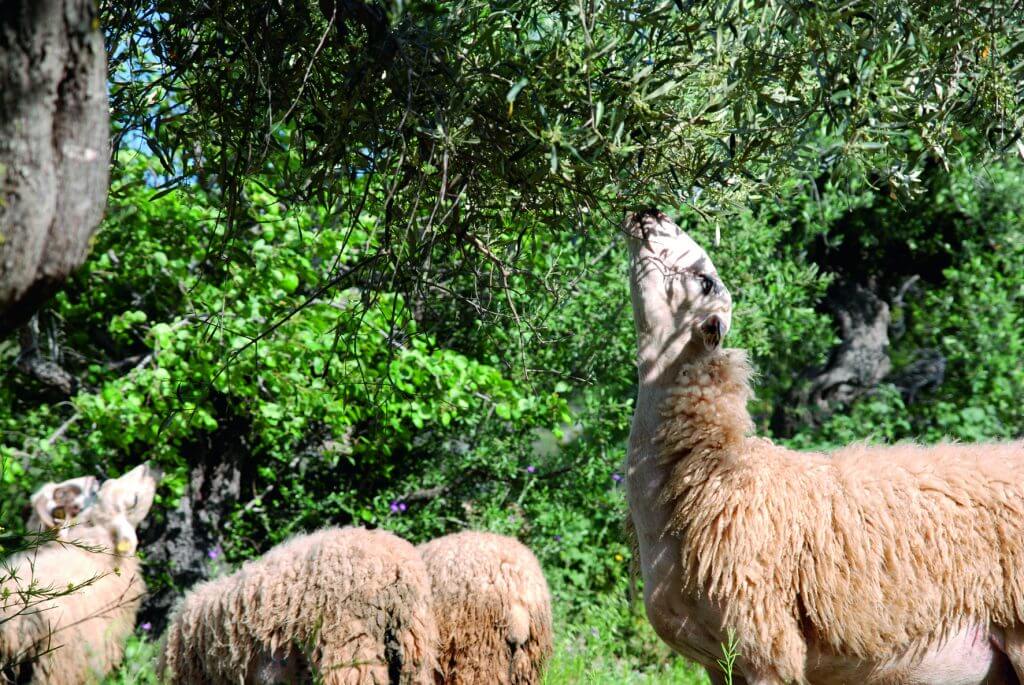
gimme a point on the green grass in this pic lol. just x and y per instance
(139, 665)
(593, 652)
(571, 665)
(612, 642)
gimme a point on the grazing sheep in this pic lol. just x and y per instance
(351, 605)
(78, 637)
(493, 609)
(896, 564)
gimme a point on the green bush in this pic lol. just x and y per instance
(358, 404)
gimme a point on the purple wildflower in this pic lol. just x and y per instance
(147, 626)
(617, 477)
(393, 507)
(401, 506)
(531, 469)
(558, 538)
(214, 553)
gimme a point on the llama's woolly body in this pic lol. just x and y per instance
(493, 609)
(352, 605)
(867, 551)
(85, 630)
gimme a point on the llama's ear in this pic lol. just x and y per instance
(74, 496)
(650, 223)
(56, 504)
(654, 236)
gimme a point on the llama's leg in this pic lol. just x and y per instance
(767, 679)
(1013, 647)
(716, 677)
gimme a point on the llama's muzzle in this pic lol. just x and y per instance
(713, 330)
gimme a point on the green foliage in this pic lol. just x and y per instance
(729, 655)
(261, 343)
(594, 651)
(140, 656)
(361, 405)
(370, 252)
(477, 126)
(965, 238)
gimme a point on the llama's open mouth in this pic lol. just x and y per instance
(712, 330)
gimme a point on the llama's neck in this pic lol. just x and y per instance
(689, 426)
(705, 415)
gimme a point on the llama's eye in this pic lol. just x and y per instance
(707, 284)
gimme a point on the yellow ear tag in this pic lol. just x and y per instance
(123, 546)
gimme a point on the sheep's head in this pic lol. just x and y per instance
(681, 307)
(121, 505)
(58, 505)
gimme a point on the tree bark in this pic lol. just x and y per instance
(54, 147)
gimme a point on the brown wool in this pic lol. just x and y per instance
(872, 549)
(86, 630)
(493, 609)
(349, 604)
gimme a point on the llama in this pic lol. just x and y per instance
(877, 564)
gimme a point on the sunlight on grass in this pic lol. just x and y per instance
(586, 654)
(589, 667)
(139, 666)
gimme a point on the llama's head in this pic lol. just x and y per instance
(121, 505)
(681, 308)
(57, 505)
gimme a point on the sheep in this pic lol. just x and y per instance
(67, 607)
(493, 609)
(347, 604)
(877, 564)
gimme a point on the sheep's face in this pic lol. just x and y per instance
(122, 504)
(58, 505)
(681, 306)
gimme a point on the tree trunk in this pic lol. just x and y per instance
(54, 147)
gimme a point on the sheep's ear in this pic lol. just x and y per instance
(132, 494)
(74, 496)
(42, 504)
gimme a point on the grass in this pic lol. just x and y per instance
(605, 646)
(572, 667)
(613, 643)
(139, 665)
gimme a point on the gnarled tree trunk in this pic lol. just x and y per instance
(54, 147)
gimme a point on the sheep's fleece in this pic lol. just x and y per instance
(868, 549)
(493, 609)
(85, 630)
(349, 604)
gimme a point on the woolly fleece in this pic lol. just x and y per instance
(868, 550)
(85, 630)
(493, 609)
(350, 604)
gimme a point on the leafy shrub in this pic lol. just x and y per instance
(356, 404)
